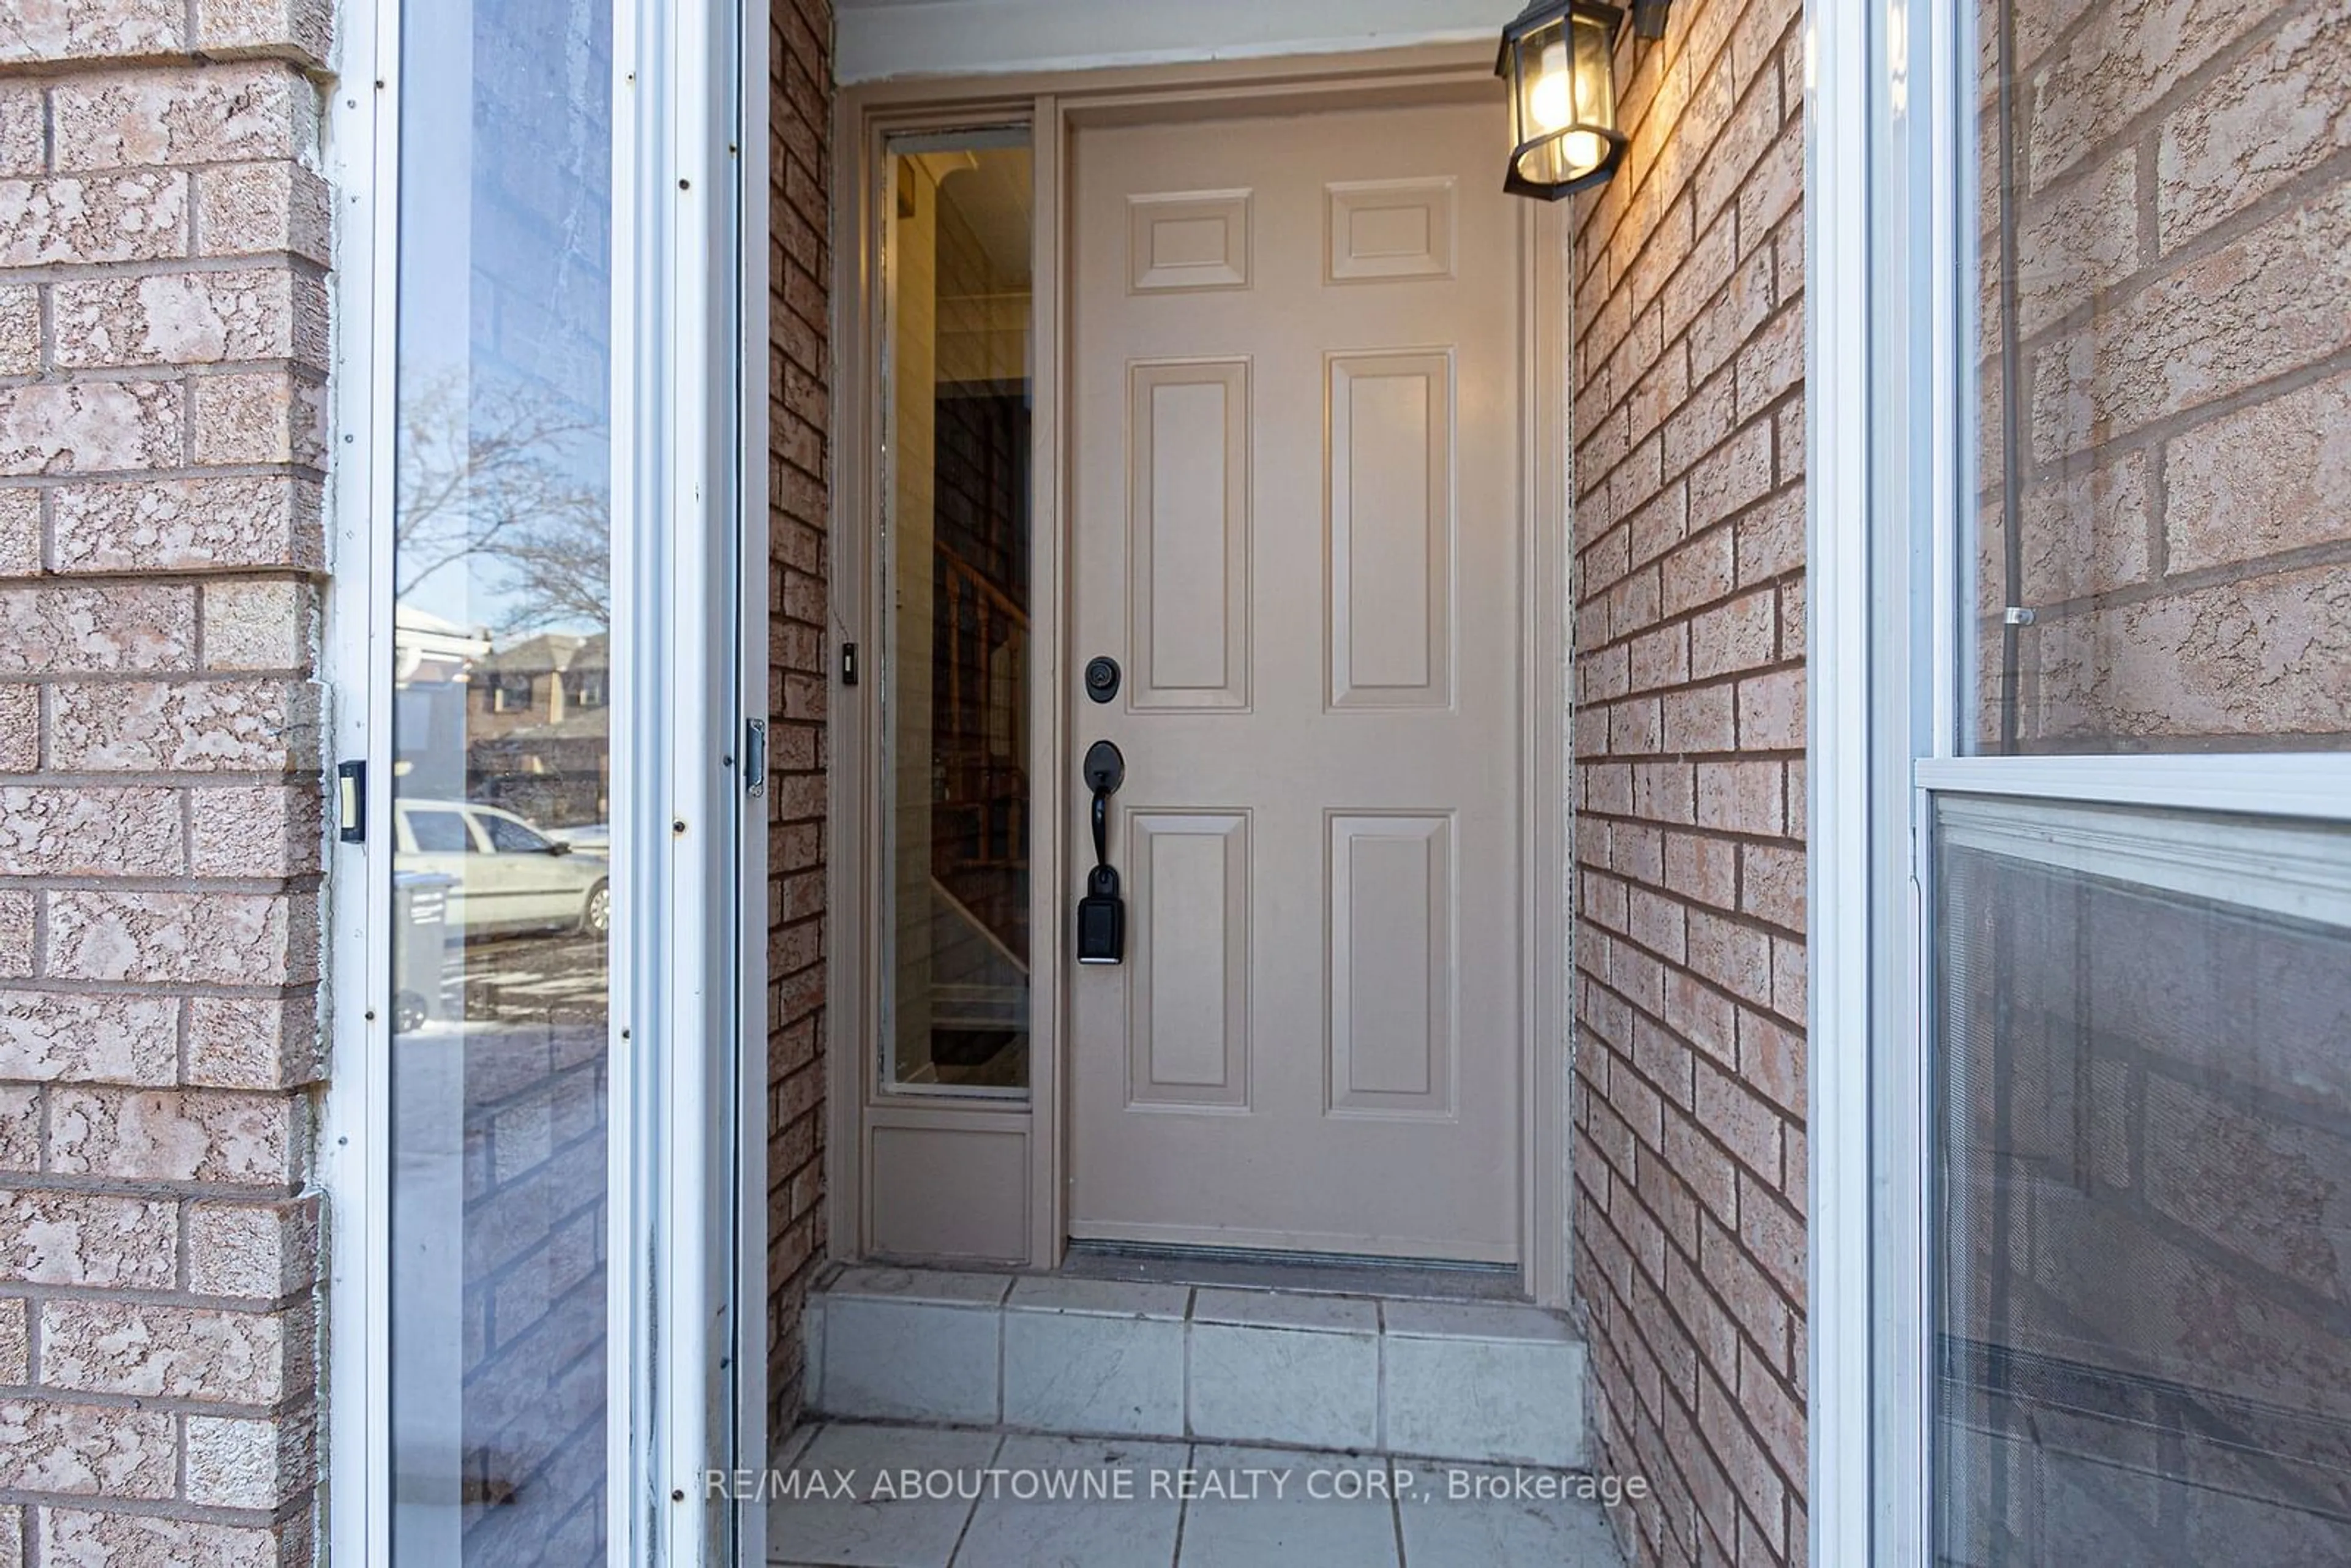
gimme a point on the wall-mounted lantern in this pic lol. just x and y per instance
(1559, 57)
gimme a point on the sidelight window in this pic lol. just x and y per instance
(958, 765)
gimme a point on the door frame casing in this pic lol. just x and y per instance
(1056, 104)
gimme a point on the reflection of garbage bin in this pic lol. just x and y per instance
(420, 910)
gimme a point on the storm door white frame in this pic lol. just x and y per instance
(687, 1221)
(1891, 173)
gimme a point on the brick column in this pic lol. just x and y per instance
(1689, 748)
(162, 348)
(799, 268)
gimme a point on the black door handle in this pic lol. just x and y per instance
(1101, 913)
(1105, 771)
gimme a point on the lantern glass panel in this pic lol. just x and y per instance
(1564, 108)
(1596, 74)
(1545, 104)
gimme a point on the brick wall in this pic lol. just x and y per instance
(799, 415)
(163, 324)
(1689, 733)
(2181, 203)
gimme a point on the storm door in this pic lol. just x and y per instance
(563, 803)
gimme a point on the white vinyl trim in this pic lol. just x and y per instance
(753, 174)
(694, 656)
(691, 738)
(1918, 375)
(2314, 785)
(2297, 870)
(1837, 443)
(633, 981)
(958, 37)
(692, 814)
(363, 146)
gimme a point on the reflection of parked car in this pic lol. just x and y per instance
(505, 874)
(595, 838)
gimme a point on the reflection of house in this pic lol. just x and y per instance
(529, 720)
(539, 680)
(428, 649)
(538, 730)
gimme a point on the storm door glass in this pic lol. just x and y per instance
(2139, 999)
(2163, 386)
(2144, 1026)
(502, 902)
(956, 573)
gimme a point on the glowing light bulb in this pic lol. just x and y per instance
(1583, 150)
(1547, 101)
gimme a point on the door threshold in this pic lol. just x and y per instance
(1336, 1274)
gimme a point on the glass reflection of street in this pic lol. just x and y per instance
(501, 981)
(551, 980)
(503, 714)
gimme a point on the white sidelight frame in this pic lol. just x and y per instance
(686, 1316)
(1890, 197)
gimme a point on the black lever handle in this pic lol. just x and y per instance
(1105, 771)
(1102, 913)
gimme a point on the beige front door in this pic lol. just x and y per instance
(1297, 362)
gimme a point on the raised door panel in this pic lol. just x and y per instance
(945, 1191)
(1379, 231)
(1391, 1007)
(1189, 1021)
(1390, 531)
(1188, 534)
(1185, 241)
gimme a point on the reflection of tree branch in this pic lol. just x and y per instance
(558, 568)
(482, 474)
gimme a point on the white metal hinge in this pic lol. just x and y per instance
(754, 756)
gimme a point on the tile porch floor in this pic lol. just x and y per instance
(1223, 1526)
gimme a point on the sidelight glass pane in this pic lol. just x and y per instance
(502, 791)
(2163, 380)
(2142, 1125)
(955, 564)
